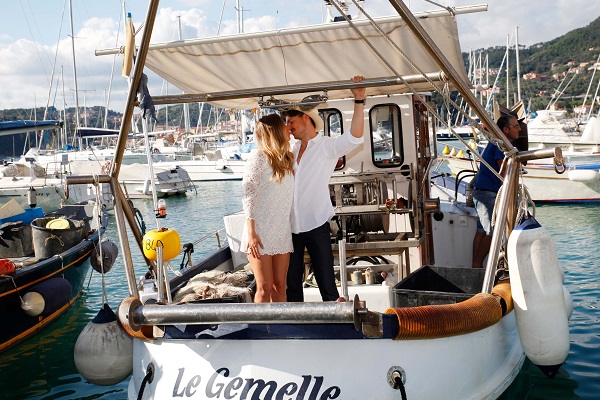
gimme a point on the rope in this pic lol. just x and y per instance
(524, 200)
(53, 236)
(24, 305)
(147, 379)
(409, 61)
(496, 204)
(401, 388)
(99, 212)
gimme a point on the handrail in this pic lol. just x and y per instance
(208, 236)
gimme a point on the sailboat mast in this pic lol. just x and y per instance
(589, 87)
(518, 65)
(186, 106)
(74, 68)
(240, 28)
(507, 71)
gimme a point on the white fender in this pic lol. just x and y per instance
(568, 302)
(104, 352)
(583, 175)
(538, 296)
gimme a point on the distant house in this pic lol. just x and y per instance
(594, 66)
(554, 107)
(532, 76)
(581, 110)
(571, 63)
(559, 75)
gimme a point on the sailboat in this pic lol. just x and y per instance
(32, 183)
(432, 322)
(91, 158)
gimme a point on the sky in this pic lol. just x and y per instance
(36, 49)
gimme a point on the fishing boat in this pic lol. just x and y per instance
(417, 319)
(44, 260)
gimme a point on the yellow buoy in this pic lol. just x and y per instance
(460, 154)
(168, 238)
(446, 151)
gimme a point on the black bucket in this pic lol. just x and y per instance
(50, 242)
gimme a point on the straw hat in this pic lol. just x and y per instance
(314, 115)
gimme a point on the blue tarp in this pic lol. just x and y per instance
(23, 126)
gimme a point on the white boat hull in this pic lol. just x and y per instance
(479, 365)
(208, 170)
(544, 184)
(50, 193)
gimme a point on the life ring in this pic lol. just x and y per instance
(155, 150)
(106, 167)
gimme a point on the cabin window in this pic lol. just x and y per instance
(334, 128)
(386, 135)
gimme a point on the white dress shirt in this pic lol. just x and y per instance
(312, 204)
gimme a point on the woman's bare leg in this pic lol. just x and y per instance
(281, 263)
(263, 273)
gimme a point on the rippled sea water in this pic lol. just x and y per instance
(43, 367)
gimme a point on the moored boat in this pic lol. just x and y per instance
(577, 181)
(423, 320)
(45, 259)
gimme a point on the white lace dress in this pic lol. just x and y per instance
(269, 203)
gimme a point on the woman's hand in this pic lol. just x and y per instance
(254, 243)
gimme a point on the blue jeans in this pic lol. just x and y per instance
(318, 244)
(484, 204)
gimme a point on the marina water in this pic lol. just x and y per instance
(43, 367)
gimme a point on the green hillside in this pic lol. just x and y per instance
(577, 47)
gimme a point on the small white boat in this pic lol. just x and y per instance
(578, 181)
(464, 132)
(423, 321)
(134, 177)
(205, 157)
(549, 129)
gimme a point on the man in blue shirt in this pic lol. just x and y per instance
(486, 186)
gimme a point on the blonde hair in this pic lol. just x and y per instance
(271, 139)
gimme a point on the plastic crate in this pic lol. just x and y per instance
(438, 285)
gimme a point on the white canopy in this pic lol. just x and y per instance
(286, 60)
